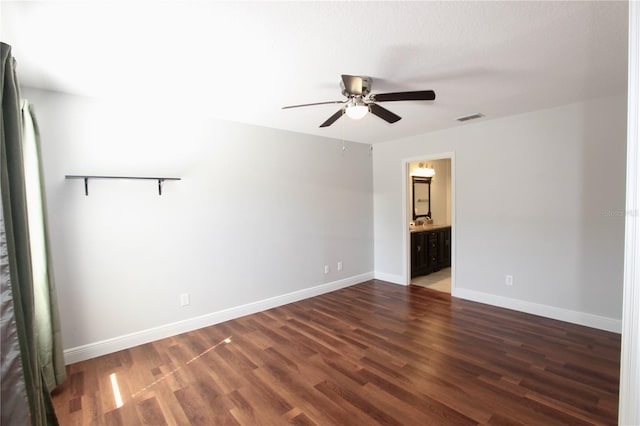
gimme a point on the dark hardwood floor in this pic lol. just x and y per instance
(374, 353)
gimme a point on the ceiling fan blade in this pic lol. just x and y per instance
(315, 103)
(383, 113)
(420, 95)
(333, 118)
(352, 84)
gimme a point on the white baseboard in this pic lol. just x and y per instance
(392, 278)
(574, 317)
(92, 350)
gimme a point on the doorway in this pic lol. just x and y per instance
(430, 219)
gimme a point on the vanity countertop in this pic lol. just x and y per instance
(423, 228)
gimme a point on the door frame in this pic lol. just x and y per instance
(406, 234)
(628, 412)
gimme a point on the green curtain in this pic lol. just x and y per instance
(31, 279)
(47, 320)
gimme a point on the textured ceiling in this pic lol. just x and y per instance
(243, 61)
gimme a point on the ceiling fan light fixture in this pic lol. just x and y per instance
(356, 110)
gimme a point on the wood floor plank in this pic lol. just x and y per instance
(294, 386)
(373, 353)
(150, 412)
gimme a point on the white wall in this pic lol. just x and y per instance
(256, 216)
(539, 196)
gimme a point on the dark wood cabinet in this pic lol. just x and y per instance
(419, 253)
(430, 250)
(444, 247)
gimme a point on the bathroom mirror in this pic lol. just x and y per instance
(421, 196)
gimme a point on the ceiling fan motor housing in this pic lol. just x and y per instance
(359, 90)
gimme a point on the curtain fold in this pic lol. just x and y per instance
(46, 306)
(14, 407)
(20, 273)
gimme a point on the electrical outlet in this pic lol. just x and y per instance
(339, 265)
(508, 279)
(326, 269)
(184, 299)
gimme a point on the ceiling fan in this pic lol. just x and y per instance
(357, 90)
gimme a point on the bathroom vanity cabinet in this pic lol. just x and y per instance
(430, 250)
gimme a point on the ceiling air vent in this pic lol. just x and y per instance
(470, 117)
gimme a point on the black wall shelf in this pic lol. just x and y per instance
(86, 178)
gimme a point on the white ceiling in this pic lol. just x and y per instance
(243, 61)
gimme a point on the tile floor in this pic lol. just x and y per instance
(440, 280)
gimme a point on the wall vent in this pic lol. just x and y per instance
(470, 117)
